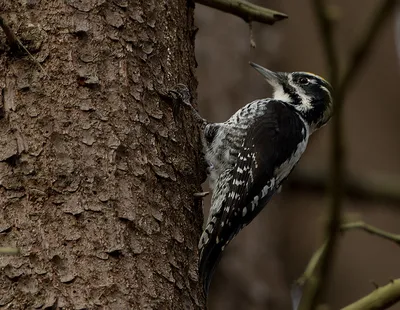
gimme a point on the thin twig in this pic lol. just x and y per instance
(371, 230)
(16, 43)
(245, 10)
(315, 260)
(312, 265)
(381, 298)
(251, 33)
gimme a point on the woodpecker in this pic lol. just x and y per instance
(254, 151)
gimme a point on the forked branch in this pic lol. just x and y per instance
(381, 298)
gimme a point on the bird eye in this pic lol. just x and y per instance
(303, 81)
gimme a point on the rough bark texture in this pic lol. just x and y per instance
(96, 171)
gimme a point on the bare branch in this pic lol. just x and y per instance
(245, 10)
(371, 230)
(387, 297)
(363, 46)
(379, 188)
(312, 266)
(379, 299)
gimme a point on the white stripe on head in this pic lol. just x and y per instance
(279, 94)
(317, 76)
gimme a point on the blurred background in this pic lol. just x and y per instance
(259, 266)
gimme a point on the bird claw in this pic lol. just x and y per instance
(180, 94)
(201, 194)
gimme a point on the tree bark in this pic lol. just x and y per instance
(96, 170)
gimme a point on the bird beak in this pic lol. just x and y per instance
(272, 78)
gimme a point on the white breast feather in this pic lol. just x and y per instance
(283, 170)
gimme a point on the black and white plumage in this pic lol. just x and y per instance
(253, 152)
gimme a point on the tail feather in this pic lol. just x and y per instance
(209, 259)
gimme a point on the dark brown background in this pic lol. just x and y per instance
(269, 254)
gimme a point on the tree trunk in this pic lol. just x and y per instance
(96, 171)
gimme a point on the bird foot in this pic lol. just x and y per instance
(180, 94)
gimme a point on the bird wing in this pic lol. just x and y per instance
(270, 142)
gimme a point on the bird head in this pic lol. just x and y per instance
(309, 94)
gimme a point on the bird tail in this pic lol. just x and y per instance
(210, 257)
